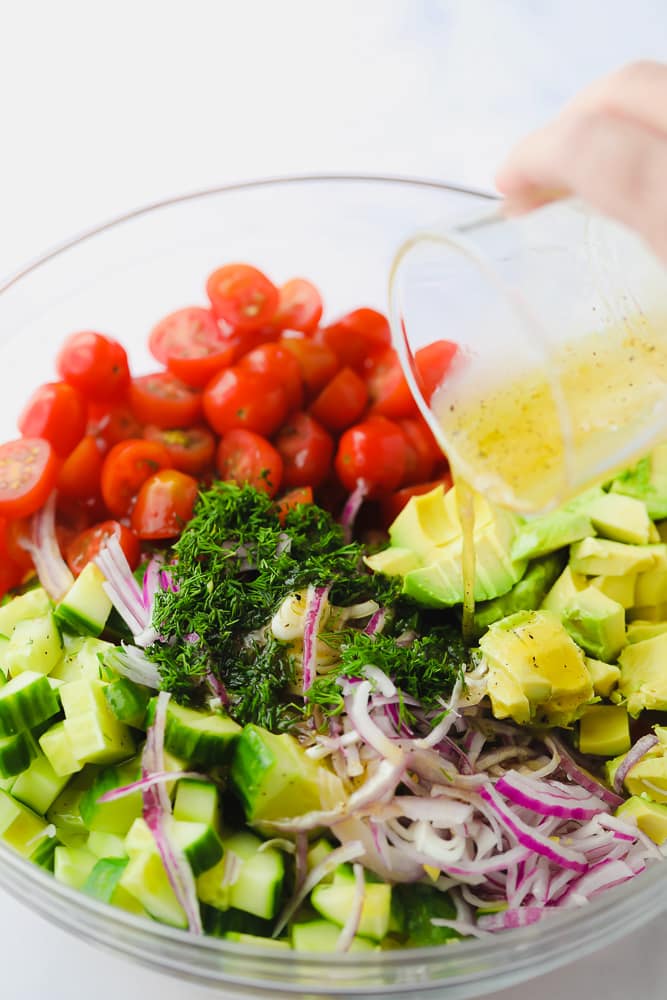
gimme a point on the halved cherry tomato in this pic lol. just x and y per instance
(94, 364)
(28, 471)
(192, 345)
(373, 453)
(86, 545)
(306, 450)
(238, 397)
(111, 424)
(392, 505)
(317, 362)
(389, 393)
(17, 532)
(126, 468)
(242, 296)
(191, 449)
(79, 475)
(163, 399)
(423, 453)
(293, 499)
(299, 306)
(246, 457)
(342, 401)
(11, 573)
(356, 336)
(165, 504)
(55, 411)
(432, 362)
(276, 360)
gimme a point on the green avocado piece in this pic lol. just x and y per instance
(564, 590)
(653, 614)
(651, 585)
(650, 817)
(603, 557)
(647, 481)
(605, 676)
(596, 623)
(618, 588)
(393, 561)
(643, 680)
(639, 630)
(604, 730)
(424, 523)
(621, 518)
(570, 523)
(526, 595)
(648, 777)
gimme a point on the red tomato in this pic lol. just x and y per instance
(110, 425)
(389, 393)
(190, 450)
(126, 468)
(306, 450)
(299, 306)
(165, 504)
(432, 362)
(11, 573)
(374, 453)
(296, 497)
(393, 504)
(56, 411)
(17, 531)
(28, 471)
(357, 335)
(192, 345)
(238, 397)
(79, 476)
(86, 545)
(317, 362)
(423, 453)
(276, 360)
(94, 364)
(163, 399)
(342, 401)
(246, 457)
(242, 296)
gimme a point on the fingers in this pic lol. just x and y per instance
(638, 91)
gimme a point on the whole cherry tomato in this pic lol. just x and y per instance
(342, 401)
(55, 411)
(28, 471)
(126, 468)
(239, 397)
(389, 393)
(372, 453)
(246, 457)
(276, 360)
(242, 296)
(306, 450)
(163, 399)
(165, 504)
(423, 453)
(317, 362)
(111, 423)
(94, 364)
(85, 546)
(357, 336)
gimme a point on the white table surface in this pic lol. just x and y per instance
(108, 106)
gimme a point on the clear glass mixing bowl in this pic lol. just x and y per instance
(342, 233)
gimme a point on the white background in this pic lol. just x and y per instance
(107, 106)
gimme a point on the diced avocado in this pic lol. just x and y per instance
(145, 878)
(540, 535)
(596, 623)
(393, 561)
(73, 865)
(35, 645)
(604, 730)
(602, 557)
(322, 936)
(273, 777)
(637, 631)
(651, 585)
(605, 676)
(57, 748)
(334, 902)
(650, 817)
(621, 518)
(424, 523)
(118, 815)
(535, 669)
(566, 587)
(526, 595)
(34, 603)
(20, 827)
(201, 738)
(648, 777)
(618, 588)
(643, 680)
(257, 942)
(85, 607)
(647, 480)
(420, 904)
(39, 786)
(648, 613)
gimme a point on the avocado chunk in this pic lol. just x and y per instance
(650, 817)
(570, 523)
(643, 680)
(621, 518)
(596, 623)
(647, 481)
(526, 595)
(566, 587)
(652, 613)
(619, 588)
(424, 523)
(651, 585)
(604, 730)
(605, 676)
(639, 630)
(393, 561)
(603, 557)
(648, 777)
(536, 672)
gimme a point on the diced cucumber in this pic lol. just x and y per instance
(420, 904)
(106, 845)
(65, 815)
(16, 753)
(257, 942)
(322, 936)
(103, 883)
(83, 659)
(34, 603)
(257, 886)
(198, 801)
(25, 702)
(34, 645)
(317, 852)
(146, 880)
(219, 923)
(39, 786)
(199, 843)
(335, 901)
(44, 853)
(85, 607)
(118, 815)
(73, 865)
(128, 701)
(20, 827)
(95, 735)
(202, 738)
(56, 746)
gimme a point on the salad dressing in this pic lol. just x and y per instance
(466, 510)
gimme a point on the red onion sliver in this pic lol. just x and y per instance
(352, 507)
(155, 778)
(314, 607)
(632, 757)
(583, 778)
(53, 572)
(351, 926)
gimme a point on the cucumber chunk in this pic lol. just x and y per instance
(106, 845)
(64, 814)
(16, 753)
(145, 879)
(198, 801)
(420, 903)
(73, 865)
(321, 935)
(83, 659)
(128, 701)
(20, 827)
(220, 923)
(85, 607)
(335, 901)
(95, 735)
(103, 883)
(257, 942)
(199, 843)
(39, 786)
(34, 645)
(25, 702)
(201, 738)
(34, 603)
(44, 853)
(258, 883)
(56, 747)
(116, 816)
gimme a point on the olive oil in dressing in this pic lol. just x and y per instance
(466, 510)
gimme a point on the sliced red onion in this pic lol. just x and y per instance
(123, 592)
(359, 716)
(582, 777)
(540, 798)
(218, 689)
(352, 507)
(632, 757)
(378, 786)
(507, 919)
(300, 860)
(288, 846)
(315, 602)
(604, 875)
(53, 572)
(339, 855)
(351, 925)
(376, 623)
(444, 814)
(130, 662)
(147, 782)
(381, 682)
(439, 732)
(151, 582)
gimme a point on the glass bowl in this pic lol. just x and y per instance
(341, 232)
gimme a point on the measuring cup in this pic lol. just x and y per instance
(560, 372)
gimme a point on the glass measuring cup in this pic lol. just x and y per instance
(560, 374)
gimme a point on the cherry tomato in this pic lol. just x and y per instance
(85, 546)
(239, 397)
(17, 532)
(163, 399)
(306, 450)
(28, 471)
(126, 468)
(11, 573)
(299, 306)
(94, 364)
(356, 336)
(389, 393)
(342, 401)
(192, 345)
(392, 505)
(190, 450)
(79, 475)
(110, 425)
(276, 360)
(55, 411)
(373, 453)
(293, 499)
(242, 296)
(432, 362)
(423, 453)
(246, 457)
(317, 362)
(165, 504)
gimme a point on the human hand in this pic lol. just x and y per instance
(609, 147)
